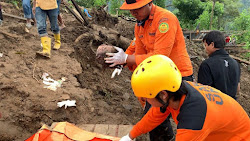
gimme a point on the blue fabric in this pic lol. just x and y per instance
(27, 9)
(87, 13)
(58, 4)
(41, 16)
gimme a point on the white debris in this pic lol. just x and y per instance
(1, 54)
(68, 103)
(50, 83)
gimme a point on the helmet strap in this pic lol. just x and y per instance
(165, 104)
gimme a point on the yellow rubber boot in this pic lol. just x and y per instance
(46, 44)
(57, 41)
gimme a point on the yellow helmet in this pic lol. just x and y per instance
(155, 74)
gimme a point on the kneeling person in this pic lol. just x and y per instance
(200, 112)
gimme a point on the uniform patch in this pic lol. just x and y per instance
(163, 27)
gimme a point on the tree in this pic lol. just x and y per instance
(205, 18)
(161, 3)
(212, 14)
(188, 11)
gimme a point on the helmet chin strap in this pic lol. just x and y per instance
(165, 104)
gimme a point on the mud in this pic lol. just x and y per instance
(25, 105)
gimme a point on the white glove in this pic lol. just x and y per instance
(117, 71)
(126, 138)
(118, 58)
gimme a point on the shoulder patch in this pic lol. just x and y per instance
(163, 27)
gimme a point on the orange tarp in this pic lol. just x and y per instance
(64, 131)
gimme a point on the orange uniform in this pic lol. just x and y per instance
(161, 34)
(204, 113)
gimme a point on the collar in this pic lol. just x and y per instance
(142, 22)
(219, 52)
(151, 16)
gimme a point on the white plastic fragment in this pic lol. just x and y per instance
(50, 83)
(1, 54)
(68, 103)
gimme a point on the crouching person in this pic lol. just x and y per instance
(44, 8)
(200, 112)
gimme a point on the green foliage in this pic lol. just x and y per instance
(204, 18)
(16, 3)
(242, 23)
(160, 3)
(92, 3)
(99, 2)
(115, 8)
(188, 11)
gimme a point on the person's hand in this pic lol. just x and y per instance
(126, 138)
(118, 58)
(34, 10)
(117, 71)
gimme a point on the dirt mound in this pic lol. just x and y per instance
(25, 104)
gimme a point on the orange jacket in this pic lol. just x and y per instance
(161, 34)
(204, 113)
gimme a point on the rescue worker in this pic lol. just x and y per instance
(157, 31)
(220, 70)
(201, 112)
(44, 8)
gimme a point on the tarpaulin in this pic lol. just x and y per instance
(64, 131)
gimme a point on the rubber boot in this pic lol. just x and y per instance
(46, 44)
(57, 41)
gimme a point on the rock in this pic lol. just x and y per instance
(126, 96)
(101, 53)
(127, 107)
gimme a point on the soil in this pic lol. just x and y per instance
(25, 105)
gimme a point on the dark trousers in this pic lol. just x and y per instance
(164, 132)
(1, 16)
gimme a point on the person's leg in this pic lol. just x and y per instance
(27, 9)
(41, 16)
(60, 20)
(1, 16)
(163, 132)
(53, 14)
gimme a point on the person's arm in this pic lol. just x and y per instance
(164, 39)
(131, 51)
(204, 75)
(34, 7)
(151, 120)
(238, 89)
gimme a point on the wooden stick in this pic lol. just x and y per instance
(86, 22)
(240, 60)
(9, 34)
(16, 17)
(76, 16)
(33, 73)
